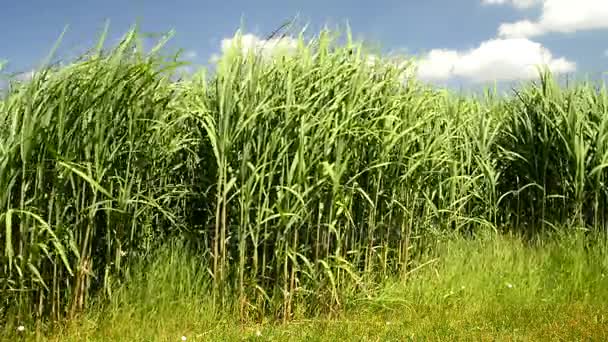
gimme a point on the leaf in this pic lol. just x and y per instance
(84, 176)
(37, 275)
(56, 243)
(8, 250)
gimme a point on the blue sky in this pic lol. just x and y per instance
(471, 40)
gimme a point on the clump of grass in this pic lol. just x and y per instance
(330, 171)
(555, 168)
(92, 158)
(564, 268)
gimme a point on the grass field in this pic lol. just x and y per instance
(489, 288)
(309, 195)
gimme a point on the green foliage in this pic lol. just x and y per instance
(300, 180)
(92, 158)
(556, 141)
(493, 287)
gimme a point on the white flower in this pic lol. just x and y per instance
(258, 333)
(20, 328)
(184, 338)
(509, 285)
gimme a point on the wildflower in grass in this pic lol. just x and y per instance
(258, 333)
(21, 328)
(509, 285)
(184, 338)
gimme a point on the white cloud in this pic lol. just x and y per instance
(25, 76)
(190, 54)
(496, 59)
(249, 42)
(563, 16)
(517, 3)
(521, 29)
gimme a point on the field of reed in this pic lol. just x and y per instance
(296, 185)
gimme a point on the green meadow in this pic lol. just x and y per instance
(314, 194)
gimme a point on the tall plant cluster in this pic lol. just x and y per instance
(554, 172)
(299, 180)
(327, 168)
(92, 172)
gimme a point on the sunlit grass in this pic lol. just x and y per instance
(298, 186)
(493, 288)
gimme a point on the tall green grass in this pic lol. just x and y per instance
(92, 165)
(300, 181)
(556, 141)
